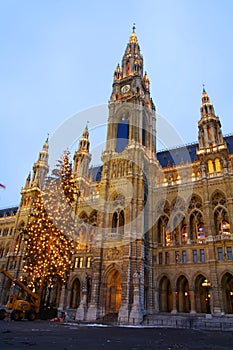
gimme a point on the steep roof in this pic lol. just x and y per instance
(186, 153)
(8, 211)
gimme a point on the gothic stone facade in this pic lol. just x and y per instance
(154, 228)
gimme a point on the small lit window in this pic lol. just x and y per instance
(88, 262)
(80, 263)
(76, 263)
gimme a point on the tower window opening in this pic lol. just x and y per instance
(122, 135)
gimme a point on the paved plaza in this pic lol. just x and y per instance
(45, 335)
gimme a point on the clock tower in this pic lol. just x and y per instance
(133, 122)
(125, 190)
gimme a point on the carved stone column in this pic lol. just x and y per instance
(136, 314)
(192, 302)
(82, 309)
(174, 309)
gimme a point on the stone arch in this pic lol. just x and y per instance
(75, 295)
(113, 289)
(182, 294)
(165, 294)
(218, 196)
(163, 207)
(227, 292)
(202, 294)
(178, 204)
(195, 202)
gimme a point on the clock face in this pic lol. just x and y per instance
(125, 88)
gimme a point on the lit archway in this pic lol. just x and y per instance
(75, 294)
(182, 296)
(202, 295)
(165, 295)
(227, 290)
(114, 291)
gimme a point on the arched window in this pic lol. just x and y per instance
(114, 222)
(218, 166)
(221, 221)
(121, 222)
(118, 222)
(197, 229)
(122, 135)
(164, 235)
(221, 217)
(210, 167)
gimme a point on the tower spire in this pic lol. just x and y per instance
(41, 167)
(212, 148)
(82, 156)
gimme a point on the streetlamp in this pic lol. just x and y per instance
(206, 284)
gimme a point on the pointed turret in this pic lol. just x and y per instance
(28, 181)
(82, 156)
(209, 125)
(213, 151)
(41, 167)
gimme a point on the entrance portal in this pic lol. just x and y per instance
(114, 290)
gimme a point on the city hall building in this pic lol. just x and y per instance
(154, 228)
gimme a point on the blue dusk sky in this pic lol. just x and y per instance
(58, 58)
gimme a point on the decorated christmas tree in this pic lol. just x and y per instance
(49, 241)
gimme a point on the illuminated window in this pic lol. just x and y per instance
(168, 238)
(225, 227)
(88, 262)
(210, 167)
(218, 166)
(80, 263)
(184, 234)
(76, 263)
(201, 233)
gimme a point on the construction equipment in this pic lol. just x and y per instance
(18, 306)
